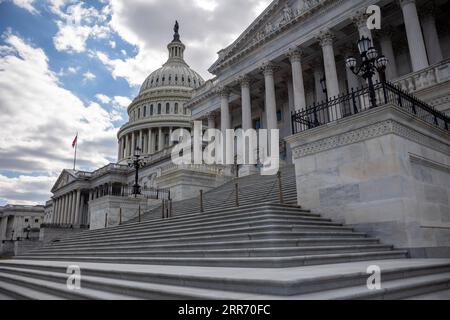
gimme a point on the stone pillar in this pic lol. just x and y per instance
(320, 95)
(414, 34)
(353, 81)
(154, 141)
(3, 225)
(246, 103)
(150, 141)
(211, 120)
(58, 211)
(430, 34)
(125, 140)
(385, 39)
(297, 79)
(326, 42)
(62, 215)
(170, 136)
(160, 139)
(140, 141)
(77, 209)
(71, 209)
(133, 143)
(271, 103)
(55, 206)
(225, 119)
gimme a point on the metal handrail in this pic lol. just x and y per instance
(358, 100)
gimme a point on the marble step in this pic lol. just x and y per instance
(241, 262)
(207, 220)
(48, 287)
(269, 228)
(277, 242)
(314, 282)
(263, 225)
(199, 253)
(17, 292)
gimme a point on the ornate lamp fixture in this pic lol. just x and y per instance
(137, 162)
(371, 62)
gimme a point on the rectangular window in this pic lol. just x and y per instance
(145, 111)
(26, 220)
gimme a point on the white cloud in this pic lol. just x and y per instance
(39, 120)
(77, 24)
(123, 102)
(206, 26)
(103, 98)
(27, 5)
(88, 76)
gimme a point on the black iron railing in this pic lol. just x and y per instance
(148, 193)
(358, 100)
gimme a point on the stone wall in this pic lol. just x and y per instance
(105, 211)
(383, 171)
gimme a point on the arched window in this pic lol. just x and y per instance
(176, 108)
(139, 113)
(159, 108)
(151, 110)
(167, 108)
(145, 111)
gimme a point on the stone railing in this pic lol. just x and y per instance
(108, 168)
(425, 78)
(218, 170)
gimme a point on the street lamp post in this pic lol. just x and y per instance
(371, 62)
(137, 162)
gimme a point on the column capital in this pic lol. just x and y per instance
(406, 2)
(244, 81)
(325, 37)
(294, 54)
(268, 68)
(223, 91)
(359, 18)
(211, 115)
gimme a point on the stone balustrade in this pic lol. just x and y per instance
(426, 78)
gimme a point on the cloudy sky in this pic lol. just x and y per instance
(69, 66)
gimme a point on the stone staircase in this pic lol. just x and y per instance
(260, 250)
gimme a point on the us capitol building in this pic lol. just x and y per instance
(381, 169)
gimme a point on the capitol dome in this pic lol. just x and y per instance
(175, 72)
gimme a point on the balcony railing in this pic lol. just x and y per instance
(359, 100)
(147, 193)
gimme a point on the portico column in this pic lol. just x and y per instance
(150, 142)
(414, 34)
(225, 119)
(211, 120)
(385, 39)
(3, 225)
(140, 141)
(352, 79)
(55, 202)
(63, 210)
(77, 208)
(246, 103)
(271, 103)
(326, 42)
(67, 212)
(430, 34)
(133, 143)
(297, 79)
(70, 208)
(125, 140)
(320, 95)
(160, 139)
(170, 136)
(58, 211)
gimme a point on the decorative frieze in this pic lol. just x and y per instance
(366, 133)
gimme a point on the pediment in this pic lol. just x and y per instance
(64, 179)
(278, 16)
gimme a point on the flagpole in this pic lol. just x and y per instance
(75, 157)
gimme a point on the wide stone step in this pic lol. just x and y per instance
(211, 221)
(270, 224)
(48, 287)
(270, 228)
(139, 245)
(290, 283)
(19, 292)
(198, 253)
(244, 262)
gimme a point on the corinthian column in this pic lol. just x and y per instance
(246, 103)
(133, 143)
(297, 79)
(430, 34)
(225, 119)
(416, 44)
(385, 38)
(326, 42)
(271, 103)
